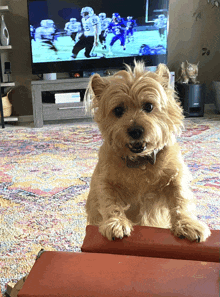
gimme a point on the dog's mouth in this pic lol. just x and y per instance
(137, 147)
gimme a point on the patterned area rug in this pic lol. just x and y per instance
(44, 180)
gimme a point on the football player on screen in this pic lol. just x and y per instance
(72, 28)
(104, 21)
(32, 31)
(118, 28)
(130, 28)
(161, 24)
(89, 36)
(46, 34)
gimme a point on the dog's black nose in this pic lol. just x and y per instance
(136, 132)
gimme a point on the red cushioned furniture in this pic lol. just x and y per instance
(106, 275)
(153, 242)
(150, 262)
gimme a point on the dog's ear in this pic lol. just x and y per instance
(98, 84)
(163, 71)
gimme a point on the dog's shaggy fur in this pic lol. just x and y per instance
(140, 178)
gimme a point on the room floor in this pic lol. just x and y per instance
(46, 174)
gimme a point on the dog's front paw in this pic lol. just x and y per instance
(115, 228)
(192, 230)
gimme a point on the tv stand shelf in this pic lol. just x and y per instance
(62, 111)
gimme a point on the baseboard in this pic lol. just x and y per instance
(25, 119)
(209, 106)
(210, 109)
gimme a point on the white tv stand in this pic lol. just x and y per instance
(49, 111)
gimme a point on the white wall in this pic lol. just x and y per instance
(187, 37)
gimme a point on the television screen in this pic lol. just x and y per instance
(74, 35)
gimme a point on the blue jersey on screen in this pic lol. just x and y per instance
(117, 28)
(131, 24)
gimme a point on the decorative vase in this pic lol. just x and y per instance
(4, 32)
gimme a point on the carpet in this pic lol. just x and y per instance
(44, 181)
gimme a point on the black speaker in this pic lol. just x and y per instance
(192, 97)
(7, 68)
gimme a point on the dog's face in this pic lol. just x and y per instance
(136, 110)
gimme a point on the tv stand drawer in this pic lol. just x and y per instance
(63, 111)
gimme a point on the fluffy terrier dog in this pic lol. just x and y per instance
(140, 178)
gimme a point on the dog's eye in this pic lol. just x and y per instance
(148, 107)
(119, 111)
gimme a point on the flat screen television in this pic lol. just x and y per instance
(87, 35)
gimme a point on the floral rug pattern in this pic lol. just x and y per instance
(44, 181)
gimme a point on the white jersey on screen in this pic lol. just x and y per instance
(90, 24)
(105, 23)
(45, 31)
(72, 27)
